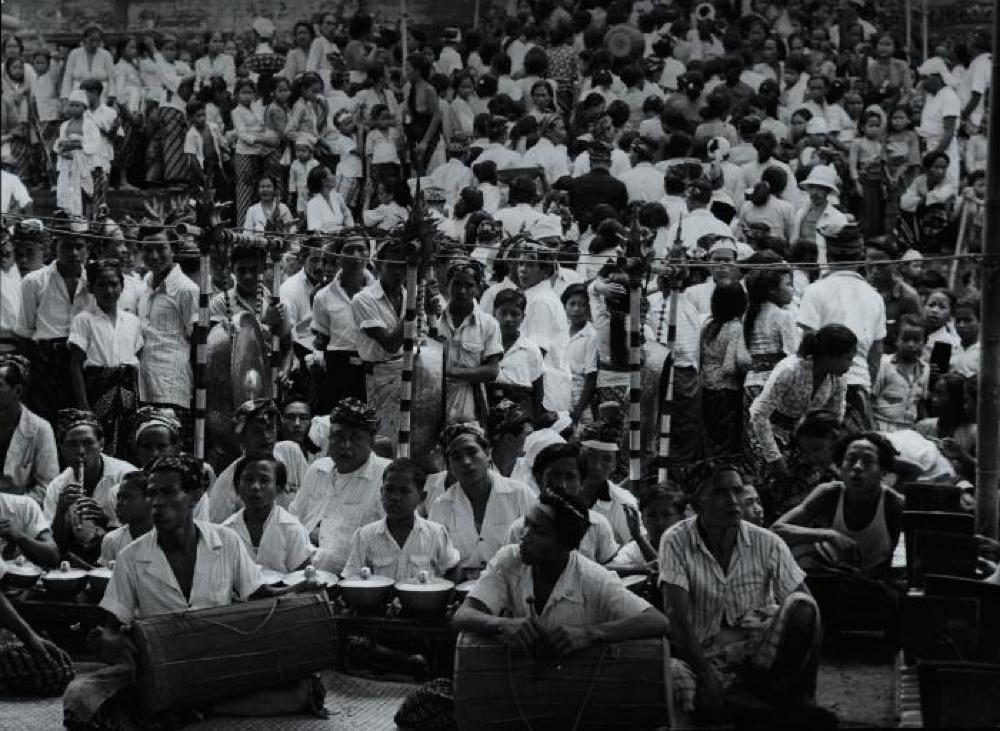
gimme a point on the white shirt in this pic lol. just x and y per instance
(327, 214)
(295, 293)
(113, 543)
(644, 183)
(701, 222)
(12, 189)
(10, 300)
(845, 297)
(46, 309)
(452, 177)
(518, 218)
(581, 351)
(980, 77)
(318, 60)
(545, 320)
(620, 163)
(332, 315)
(257, 218)
(339, 504)
(222, 66)
(105, 491)
(585, 594)
(553, 159)
(31, 460)
(144, 585)
(223, 499)
(522, 364)
(167, 314)
(508, 501)
(107, 342)
(427, 548)
(503, 157)
(371, 308)
(614, 511)
(284, 543)
(23, 512)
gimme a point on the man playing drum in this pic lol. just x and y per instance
(181, 564)
(542, 594)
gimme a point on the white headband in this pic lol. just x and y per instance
(599, 446)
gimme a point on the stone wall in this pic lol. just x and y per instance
(69, 16)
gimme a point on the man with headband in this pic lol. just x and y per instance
(508, 426)
(753, 623)
(256, 427)
(472, 339)
(342, 492)
(599, 454)
(544, 595)
(479, 507)
(27, 444)
(549, 153)
(378, 311)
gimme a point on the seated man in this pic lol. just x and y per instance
(274, 537)
(660, 506)
(740, 611)
(753, 510)
(402, 544)
(182, 564)
(23, 529)
(560, 467)
(599, 452)
(340, 493)
(28, 453)
(543, 593)
(256, 426)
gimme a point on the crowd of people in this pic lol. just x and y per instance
(797, 197)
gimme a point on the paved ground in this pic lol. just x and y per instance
(857, 682)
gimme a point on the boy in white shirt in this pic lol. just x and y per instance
(298, 171)
(349, 169)
(402, 544)
(382, 145)
(274, 537)
(135, 513)
(106, 120)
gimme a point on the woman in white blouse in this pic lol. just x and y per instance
(215, 63)
(89, 61)
(326, 210)
(270, 214)
(129, 94)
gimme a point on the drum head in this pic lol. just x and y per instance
(624, 41)
(251, 375)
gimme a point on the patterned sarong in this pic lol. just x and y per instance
(112, 393)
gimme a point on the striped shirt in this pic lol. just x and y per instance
(167, 313)
(105, 491)
(46, 308)
(284, 543)
(508, 501)
(427, 548)
(339, 504)
(761, 575)
(585, 593)
(598, 543)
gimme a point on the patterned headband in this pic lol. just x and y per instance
(351, 412)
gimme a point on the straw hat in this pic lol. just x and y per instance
(822, 176)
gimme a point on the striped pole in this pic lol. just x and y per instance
(409, 337)
(668, 394)
(635, 387)
(201, 348)
(275, 249)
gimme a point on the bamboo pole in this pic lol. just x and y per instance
(988, 447)
(409, 336)
(960, 244)
(275, 250)
(635, 387)
(668, 394)
(201, 348)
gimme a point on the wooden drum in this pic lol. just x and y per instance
(207, 655)
(618, 686)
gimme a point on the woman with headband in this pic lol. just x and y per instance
(523, 596)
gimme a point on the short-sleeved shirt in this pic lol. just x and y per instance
(113, 543)
(372, 309)
(168, 313)
(581, 353)
(284, 543)
(471, 342)
(522, 364)
(24, 513)
(508, 501)
(143, 584)
(845, 298)
(427, 548)
(46, 307)
(584, 595)
(105, 491)
(614, 510)
(333, 316)
(223, 499)
(107, 342)
(598, 543)
(295, 293)
(761, 575)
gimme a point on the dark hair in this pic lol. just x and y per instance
(408, 466)
(314, 181)
(241, 84)
(932, 157)
(577, 289)
(280, 471)
(94, 268)
(136, 479)
(776, 178)
(654, 215)
(706, 472)
(190, 469)
(571, 520)
(536, 62)
(92, 85)
(729, 302)
(663, 492)
(886, 451)
(619, 113)
(760, 194)
(552, 454)
(760, 283)
(968, 302)
(420, 64)
(193, 107)
(952, 415)
(522, 190)
(949, 295)
(513, 297)
(485, 172)
(830, 340)
(910, 320)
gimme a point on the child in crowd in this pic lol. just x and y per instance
(866, 161)
(105, 342)
(660, 507)
(973, 198)
(78, 142)
(298, 172)
(965, 356)
(724, 360)
(274, 537)
(46, 94)
(349, 169)
(902, 150)
(394, 198)
(521, 368)
(382, 145)
(487, 184)
(581, 355)
(134, 513)
(106, 120)
(205, 147)
(938, 308)
(976, 149)
(903, 379)
(402, 544)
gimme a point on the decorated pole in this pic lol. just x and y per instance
(201, 340)
(668, 392)
(275, 250)
(633, 264)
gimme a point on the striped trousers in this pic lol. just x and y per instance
(249, 169)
